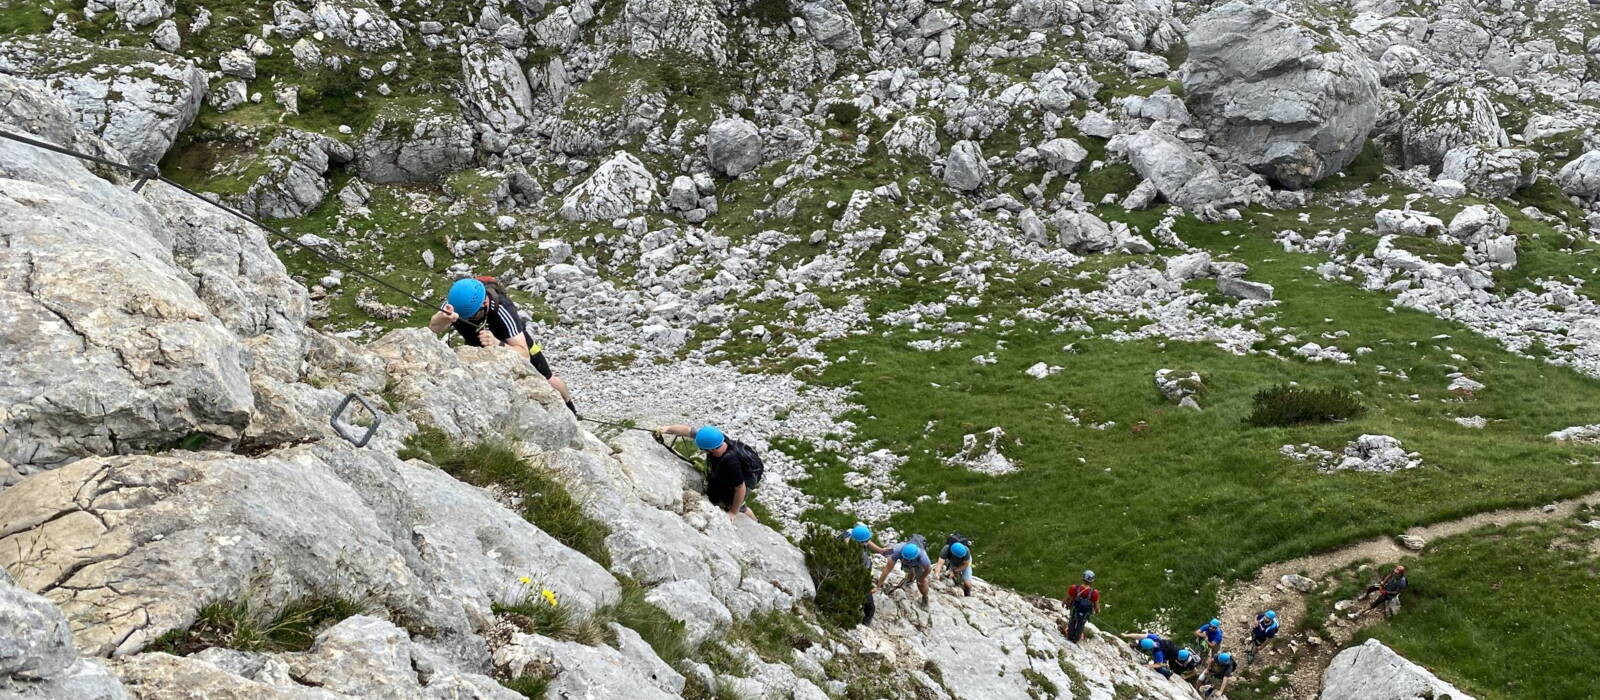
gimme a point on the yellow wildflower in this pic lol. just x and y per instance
(550, 596)
(525, 580)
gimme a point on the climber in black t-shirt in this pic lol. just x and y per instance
(494, 322)
(733, 469)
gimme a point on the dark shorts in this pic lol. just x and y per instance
(1259, 636)
(539, 363)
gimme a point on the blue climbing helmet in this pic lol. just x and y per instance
(1216, 623)
(1272, 615)
(861, 533)
(466, 296)
(1146, 645)
(708, 438)
(1183, 655)
(910, 551)
(960, 550)
(1225, 657)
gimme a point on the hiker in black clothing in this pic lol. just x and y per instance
(733, 469)
(1387, 589)
(490, 320)
(1083, 601)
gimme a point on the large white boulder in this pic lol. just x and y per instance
(1292, 104)
(733, 146)
(497, 91)
(415, 145)
(1581, 176)
(965, 169)
(360, 24)
(1456, 116)
(617, 188)
(1373, 671)
(1184, 177)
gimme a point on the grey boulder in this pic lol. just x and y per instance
(1373, 671)
(1286, 101)
(1581, 177)
(1184, 177)
(965, 169)
(416, 145)
(37, 658)
(1455, 116)
(733, 146)
(617, 188)
(497, 91)
(1491, 172)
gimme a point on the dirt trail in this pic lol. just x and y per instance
(1241, 603)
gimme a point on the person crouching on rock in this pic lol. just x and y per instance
(733, 469)
(912, 556)
(491, 320)
(1161, 650)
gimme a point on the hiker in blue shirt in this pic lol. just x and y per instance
(1160, 649)
(1211, 634)
(912, 556)
(1261, 635)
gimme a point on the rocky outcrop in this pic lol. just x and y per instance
(1291, 103)
(37, 658)
(1581, 177)
(1451, 118)
(685, 27)
(137, 100)
(829, 23)
(360, 24)
(1373, 671)
(497, 91)
(134, 13)
(1491, 172)
(733, 146)
(1181, 175)
(294, 181)
(415, 145)
(913, 135)
(616, 188)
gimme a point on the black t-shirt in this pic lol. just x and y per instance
(725, 473)
(501, 319)
(1223, 670)
(1184, 666)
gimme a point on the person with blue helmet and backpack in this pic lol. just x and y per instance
(1265, 629)
(912, 556)
(1211, 634)
(733, 469)
(1222, 667)
(1160, 649)
(1186, 664)
(957, 557)
(484, 316)
(862, 535)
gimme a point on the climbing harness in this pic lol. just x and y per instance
(146, 175)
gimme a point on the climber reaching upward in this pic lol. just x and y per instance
(733, 469)
(493, 322)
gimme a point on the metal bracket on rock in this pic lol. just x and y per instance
(338, 427)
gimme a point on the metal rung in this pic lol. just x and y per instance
(377, 420)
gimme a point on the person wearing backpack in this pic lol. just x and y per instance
(862, 535)
(1222, 667)
(1160, 649)
(1186, 664)
(912, 556)
(1084, 601)
(1211, 634)
(1261, 635)
(733, 469)
(479, 310)
(957, 557)
(1387, 589)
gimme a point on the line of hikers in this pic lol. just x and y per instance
(734, 470)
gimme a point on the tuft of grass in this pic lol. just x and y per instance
(531, 686)
(240, 625)
(1039, 685)
(545, 502)
(665, 635)
(1283, 406)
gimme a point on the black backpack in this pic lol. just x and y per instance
(1083, 603)
(753, 466)
(958, 538)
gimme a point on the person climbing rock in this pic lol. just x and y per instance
(1083, 601)
(1387, 589)
(957, 558)
(1221, 669)
(491, 320)
(1160, 649)
(862, 535)
(912, 556)
(1211, 634)
(1186, 664)
(733, 469)
(1261, 634)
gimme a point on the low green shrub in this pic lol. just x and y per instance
(842, 582)
(1284, 405)
(844, 114)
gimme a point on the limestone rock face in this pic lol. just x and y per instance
(294, 182)
(690, 27)
(615, 189)
(1454, 117)
(37, 659)
(137, 100)
(1284, 100)
(360, 24)
(1375, 671)
(733, 146)
(418, 146)
(497, 91)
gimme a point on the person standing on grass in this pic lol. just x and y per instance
(912, 556)
(481, 313)
(1161, 651)
(1083, 601)
(1387, 589)
(733, 469)
(1211, 634)
(862, 535)
(1261, 635)
(1221, 668)
(957, 556)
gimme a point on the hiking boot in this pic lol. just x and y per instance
(966, 590)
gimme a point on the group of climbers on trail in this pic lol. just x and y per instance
(955, 561)
(1168, 659)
